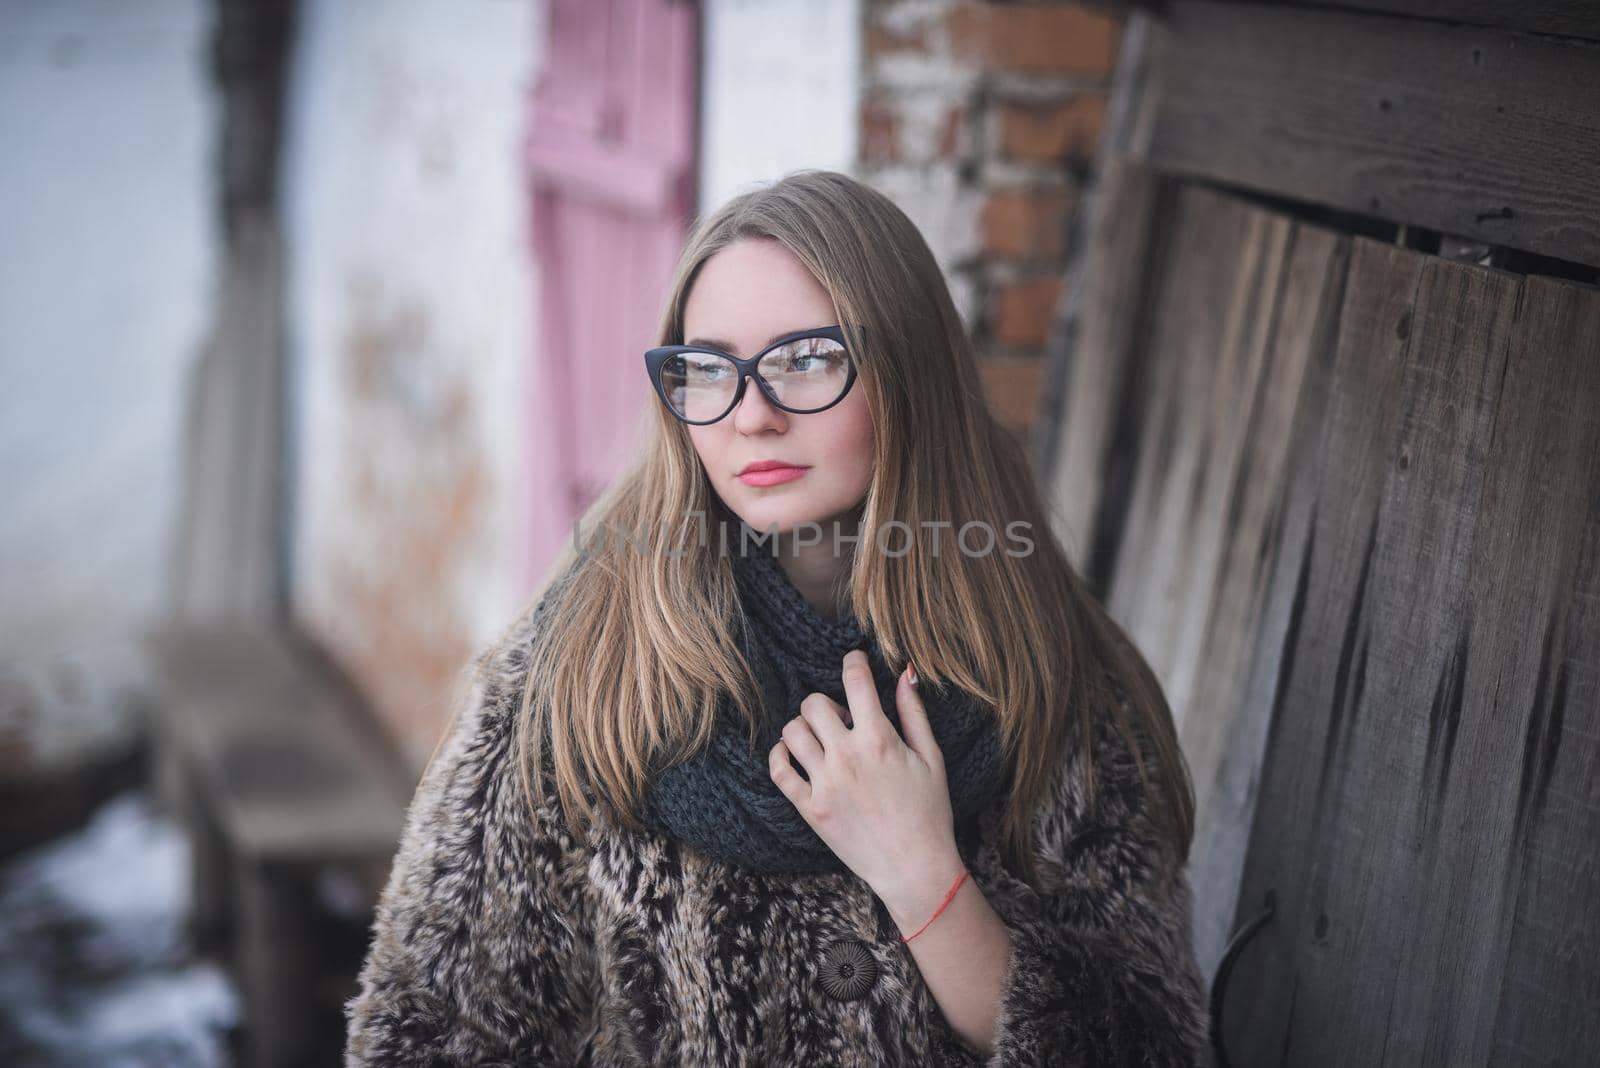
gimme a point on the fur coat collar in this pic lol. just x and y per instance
(502, 938)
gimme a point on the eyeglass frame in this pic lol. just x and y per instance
(654, 358)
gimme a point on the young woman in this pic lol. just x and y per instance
(813, 750)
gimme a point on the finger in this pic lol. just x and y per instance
(803, 744)
(826, 719)
(914, 724)
(861, 691)
(789, 781)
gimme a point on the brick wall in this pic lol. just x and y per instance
(981, 120)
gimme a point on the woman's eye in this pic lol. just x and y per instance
(813, 358)
(709, 370)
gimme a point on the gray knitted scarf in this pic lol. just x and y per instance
(723, 801)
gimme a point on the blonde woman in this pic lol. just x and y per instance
(813, 749)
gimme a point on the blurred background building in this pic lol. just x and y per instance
(320, 321)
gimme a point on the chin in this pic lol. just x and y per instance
(766, 517)
(783, 517)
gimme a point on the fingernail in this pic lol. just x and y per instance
(911, 670)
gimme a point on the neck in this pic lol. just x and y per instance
(821, 576)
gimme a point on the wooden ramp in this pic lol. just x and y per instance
(294, 813)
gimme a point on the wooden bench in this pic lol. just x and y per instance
(294, 806)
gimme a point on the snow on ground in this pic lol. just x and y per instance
(95, 964)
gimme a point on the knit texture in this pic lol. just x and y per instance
(723, 800)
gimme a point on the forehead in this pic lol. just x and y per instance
(751, 291)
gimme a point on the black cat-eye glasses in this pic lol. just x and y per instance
(801, 372)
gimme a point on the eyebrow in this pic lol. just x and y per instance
(715, 343)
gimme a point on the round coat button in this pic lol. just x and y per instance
(848, 970)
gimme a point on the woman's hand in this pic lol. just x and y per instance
(881, 804)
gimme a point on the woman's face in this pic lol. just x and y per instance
(745, 295)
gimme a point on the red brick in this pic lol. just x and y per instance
(880, 131)
(953, 133)
(1025, 310)
(1013, 387)
(881, 41)
(1069, 130)
(1026, 224)
(1033, 38)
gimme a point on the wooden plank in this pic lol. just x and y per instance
(1282, 996)
(1567, 18)
(1087, 477)
(1529, 782)
(1390, 870)
(1215, 413)
(274, 746)
(1479, 133)
(1571, 18)
(1387, 822)
(1268, 429)
(1209, 293)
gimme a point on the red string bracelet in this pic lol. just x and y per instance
(947, 897)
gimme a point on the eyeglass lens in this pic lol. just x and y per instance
(805, 374)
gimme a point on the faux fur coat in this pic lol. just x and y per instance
(503, 938)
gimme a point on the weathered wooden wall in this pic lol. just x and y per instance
(1484, 133)
(1429, 805)
(1345, 495)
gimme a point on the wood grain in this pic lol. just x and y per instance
(1564, 18)
(1571, 18)
(1428, 689)
(1359, 542)
(1192, 410)
(1088, 477)
(1479, 133)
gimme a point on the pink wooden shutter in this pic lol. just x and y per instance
(610, 158)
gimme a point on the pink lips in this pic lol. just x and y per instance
(769, 473)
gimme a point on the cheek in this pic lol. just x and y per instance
(704, 440)
(851, 442)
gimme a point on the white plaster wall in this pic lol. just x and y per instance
(106, 282)
(410, 315)
(781, 91)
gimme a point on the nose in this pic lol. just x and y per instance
(754, 412)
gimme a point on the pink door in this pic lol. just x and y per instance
(610, 157)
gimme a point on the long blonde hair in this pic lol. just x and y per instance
(634, 652)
